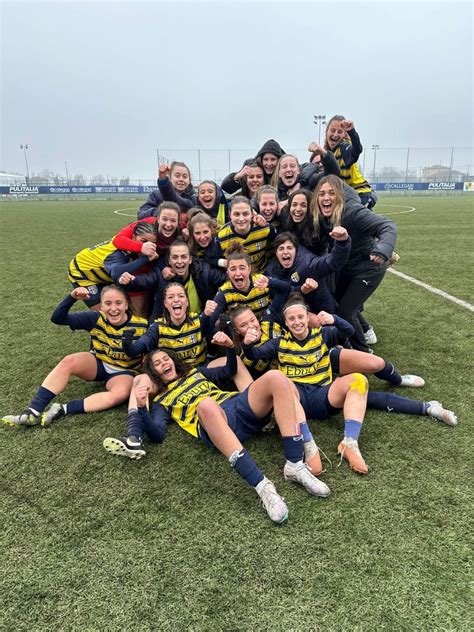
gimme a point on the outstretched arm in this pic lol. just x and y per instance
(80, 320)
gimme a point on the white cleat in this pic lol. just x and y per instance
(414, 381)
(300, 473)
(274, 504)
(370, 336)
(435, 409)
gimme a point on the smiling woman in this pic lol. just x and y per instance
(222, 420)
(106, 362)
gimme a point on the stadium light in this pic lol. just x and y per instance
(25, 147)
(321, 120)
(375, 147)
(67, 172)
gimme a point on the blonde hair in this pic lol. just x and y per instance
(336, 217)
(266, 189)
(276, 174)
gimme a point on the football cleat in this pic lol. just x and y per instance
(415, 381)
(26, 418)
(349, 450)
(312, 457)
(53, 414)
(370, 337)
(273, 503)
(436, 410)
(300, 473)
(131, 447)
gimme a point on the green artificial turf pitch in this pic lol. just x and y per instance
(177, 541)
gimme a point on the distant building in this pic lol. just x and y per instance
(11, 179)
(441, 173)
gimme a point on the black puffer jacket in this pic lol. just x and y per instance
(371, 234)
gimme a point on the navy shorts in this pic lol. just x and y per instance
(240, 418)
(315, 401)
(103, 376)
(94, 293)
(334, 355)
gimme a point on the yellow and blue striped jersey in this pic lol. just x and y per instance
(255, 299)
(305, 361)
(106, 341)
(351, 174)
(186, 340)
(255, 242)
(182, 397)
(88, 265)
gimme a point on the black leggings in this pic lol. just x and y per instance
(352, 290)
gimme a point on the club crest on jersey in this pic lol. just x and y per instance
(295, 277)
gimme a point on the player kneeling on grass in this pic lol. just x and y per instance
(106, 362)
(223, 420)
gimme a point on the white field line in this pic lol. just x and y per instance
(433, 290)
(409, 209)
(131, 208)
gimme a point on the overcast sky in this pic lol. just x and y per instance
(102, 85)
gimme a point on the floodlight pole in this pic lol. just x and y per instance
(375, 147)
(321, 120)
(67, 172)
(25, 147)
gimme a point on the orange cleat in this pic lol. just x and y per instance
(312, 457)
(349, 450)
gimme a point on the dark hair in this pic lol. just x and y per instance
(285, 236)
(336, 117)
(236, 251)
(166, 314)
(207, 182)
(181, 369)
(175, 164)
(179, 242)
(145, 228)
(295, 298)
(239, 199)
(305, 230)
(199, 217)
(245, 188)
(171, 206)
(234, 311)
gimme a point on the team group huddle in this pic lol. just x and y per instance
(230, 309)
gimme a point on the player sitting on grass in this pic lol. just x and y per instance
(220, 419)
(106, 362)
(303, 356)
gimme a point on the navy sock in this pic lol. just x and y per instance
(134, 424)
(41, 399)
(74, 407)
(293, 448)
(389, 374)
(395, 403)
(352, 428)
(246, 467)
